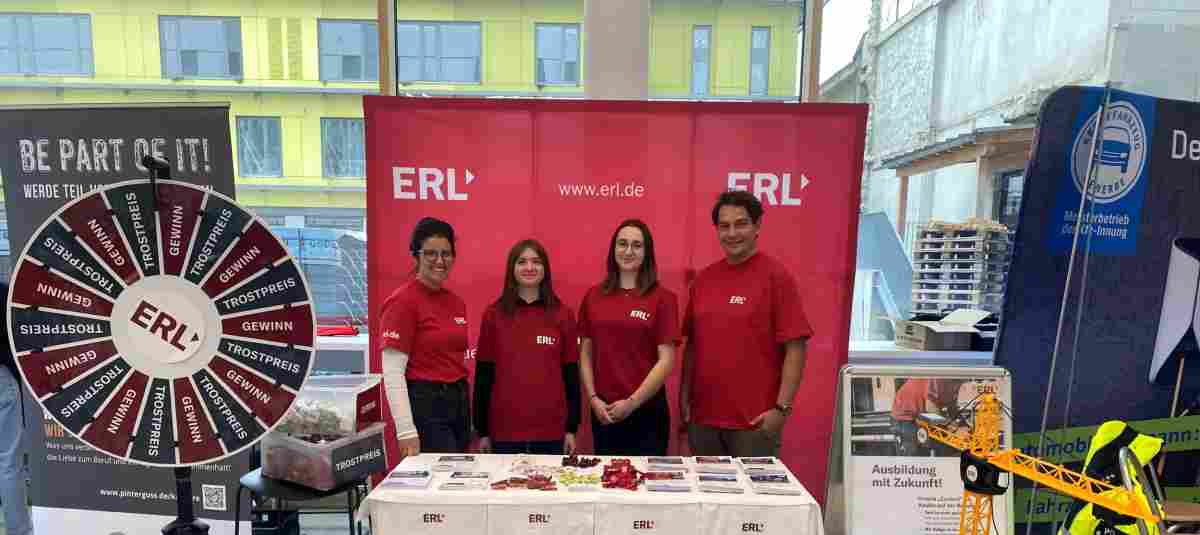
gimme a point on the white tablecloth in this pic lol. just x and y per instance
(605, 511)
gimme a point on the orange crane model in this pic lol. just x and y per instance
(983, 461)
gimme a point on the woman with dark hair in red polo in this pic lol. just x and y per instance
(629, 326)
(527, 370)
(424, 337)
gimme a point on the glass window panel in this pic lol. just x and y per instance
(195, 34)
(8, 32)
(331, 66)
(549, 42)
(56, 61)
(259, 147)
(459, 70)
(343, 150)
(701, 37)
(429, 41)
(351, 68)
(169, 32)
(233, 35)
(570, 44)
(235, 64)
(201, 47)
(371, 45)
(55, 31)
(189, 63)
(460, 40)
(430, 68)
(408, 69)
(762, 38)
(408, 39)
(570, 71)
(8, 61)
(758, 80)
(213, 63)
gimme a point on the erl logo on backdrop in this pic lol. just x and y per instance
(429, 183)
(772, 189)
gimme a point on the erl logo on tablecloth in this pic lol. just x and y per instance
(643, 524)
(539, 518)
(754, 527)
(433, 518)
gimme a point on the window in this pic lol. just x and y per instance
(336, 222)
(201, 47)
(260, 152)
(557, 54)
(438, 52)
(894, 10)
(342, 150)
(701, 45)
(46, 44)
(349, 50)
(760, 60)
(1007, 205)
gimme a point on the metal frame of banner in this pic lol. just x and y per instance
(839, 504)
(1062, 313)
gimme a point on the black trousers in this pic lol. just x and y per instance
(442, 414)
(533, 447)
(645, 432)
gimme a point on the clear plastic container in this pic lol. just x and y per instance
(334, 406)
(324, 465)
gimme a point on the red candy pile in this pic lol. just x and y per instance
(620, 474)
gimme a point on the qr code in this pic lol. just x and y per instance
(214, 497)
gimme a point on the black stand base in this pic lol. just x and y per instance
(185, 522)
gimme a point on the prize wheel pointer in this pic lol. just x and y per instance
(161, 323)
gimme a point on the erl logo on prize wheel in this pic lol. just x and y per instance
(127, 319)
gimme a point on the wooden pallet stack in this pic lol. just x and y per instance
(960, 265)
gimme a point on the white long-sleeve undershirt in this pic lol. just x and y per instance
(394, 365)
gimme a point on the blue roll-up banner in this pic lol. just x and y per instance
(1131, 308)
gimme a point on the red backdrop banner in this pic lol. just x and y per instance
(567, 172)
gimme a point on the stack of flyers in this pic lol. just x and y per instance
(760, 462)
(408, 479)
(775, 484)
(715, 465)
(667, 481)
(466, 481)
(727, 483)
(666, 463)
(454, 463)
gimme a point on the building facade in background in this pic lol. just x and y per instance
(294, 73)
(955, 87)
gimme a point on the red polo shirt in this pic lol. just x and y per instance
(431, 326)
(910, 399)
(529, 349)
(737, 321)
(626, 330)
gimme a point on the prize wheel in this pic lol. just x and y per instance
(167, 340)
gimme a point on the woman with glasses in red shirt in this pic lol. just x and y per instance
(424, 334)
(628, 326)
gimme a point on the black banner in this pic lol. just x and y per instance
(53, 155)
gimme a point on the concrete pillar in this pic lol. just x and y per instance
(616, 59)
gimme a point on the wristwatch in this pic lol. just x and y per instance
(783, 409)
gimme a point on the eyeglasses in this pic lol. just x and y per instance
(431, 255)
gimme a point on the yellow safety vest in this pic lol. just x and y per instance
(1102, 462)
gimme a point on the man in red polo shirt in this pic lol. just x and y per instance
(746, 333)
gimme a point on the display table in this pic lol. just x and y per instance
(396, 511)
